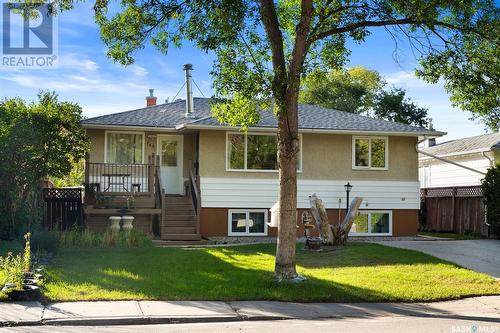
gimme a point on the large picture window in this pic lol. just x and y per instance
(372, 223)
(253, 152)
(124, 148)
(370, 153)
(247, 222)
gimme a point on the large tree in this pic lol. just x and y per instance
(362, 91)
(37, 140)
(263, 47)
(393, 105)
(351, 90)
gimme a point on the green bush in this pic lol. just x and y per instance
(44, 241)
(12, 268)
(491, 192)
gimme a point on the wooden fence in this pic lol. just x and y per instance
(62, 208)
(453, 209)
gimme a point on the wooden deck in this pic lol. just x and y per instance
(177, 216)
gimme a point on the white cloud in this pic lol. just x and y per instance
(405, 79)
(72, 61)
(137, 70)
(75, 83)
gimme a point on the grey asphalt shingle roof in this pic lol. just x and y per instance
(171, 115)
(485, 142)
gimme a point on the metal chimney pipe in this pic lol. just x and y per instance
(189, 90)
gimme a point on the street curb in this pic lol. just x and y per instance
(138, 321)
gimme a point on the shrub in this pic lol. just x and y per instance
(87, 238)
(27, 253)
(491, 192)
(13, 270)
(45, 241)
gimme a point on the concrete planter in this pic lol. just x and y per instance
(114, 223)
(127, 224)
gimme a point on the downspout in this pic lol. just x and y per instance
(492, 162)
(444, 159)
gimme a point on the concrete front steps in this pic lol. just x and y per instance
(179, 220)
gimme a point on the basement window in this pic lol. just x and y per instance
(243, 222)
(372, 223)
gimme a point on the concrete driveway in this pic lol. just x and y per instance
(480, 255)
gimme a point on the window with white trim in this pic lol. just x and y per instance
(124, 148)
(372, 223)
(254, 152)
(370, 153)
(251, 222)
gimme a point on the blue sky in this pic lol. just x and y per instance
(87, 77)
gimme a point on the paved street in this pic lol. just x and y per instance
(383, 324)
(481, 255)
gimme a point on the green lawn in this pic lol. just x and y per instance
(450, 235)
(358, 272)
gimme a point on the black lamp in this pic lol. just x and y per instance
(348, 188)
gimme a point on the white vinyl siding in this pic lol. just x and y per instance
(439, 174)
(263, 193)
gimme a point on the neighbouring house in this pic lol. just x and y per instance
(452, 163)
(191, 176)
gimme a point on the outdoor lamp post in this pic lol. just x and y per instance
(348, 188)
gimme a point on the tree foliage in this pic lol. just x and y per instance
(37, 140)
(264, 47)
(361, 91)
(394, 106)
(352, 90)
(491, 192)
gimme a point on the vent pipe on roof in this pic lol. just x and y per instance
(189, 91)
(432, 141)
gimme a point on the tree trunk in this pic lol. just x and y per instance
(287, 162)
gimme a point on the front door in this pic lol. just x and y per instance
(170, 152)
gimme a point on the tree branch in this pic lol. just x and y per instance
(271, 24)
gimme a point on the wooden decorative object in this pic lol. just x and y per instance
(340, 232)
(318, 212)
(333, 234)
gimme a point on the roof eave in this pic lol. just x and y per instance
(129, 127)
(433, 134)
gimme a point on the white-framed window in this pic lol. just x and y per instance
(255, 152)
(247, 222)
(124, 147)
(370, 153)
(372, 223)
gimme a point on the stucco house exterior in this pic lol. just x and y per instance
(190, 176)
(477, 153)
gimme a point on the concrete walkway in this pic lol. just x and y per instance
(481, 255)
(480, 309)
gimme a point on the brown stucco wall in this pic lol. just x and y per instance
(214, 222)
(325, 156)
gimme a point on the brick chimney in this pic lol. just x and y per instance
(151, 100)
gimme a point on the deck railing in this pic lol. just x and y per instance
(120, 178)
